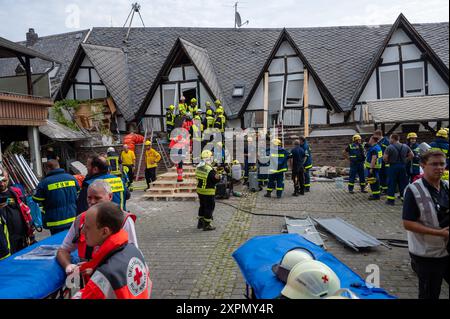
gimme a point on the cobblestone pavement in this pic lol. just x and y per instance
(189, 263)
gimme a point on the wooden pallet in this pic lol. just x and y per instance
(172, 197)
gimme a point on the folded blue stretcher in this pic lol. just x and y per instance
(257, 256)
(32, 279)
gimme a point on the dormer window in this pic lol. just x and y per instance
(238, 91)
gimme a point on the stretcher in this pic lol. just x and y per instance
(32, 278)
(256, 257)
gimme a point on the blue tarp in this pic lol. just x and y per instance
(257, 256)
(31, 279)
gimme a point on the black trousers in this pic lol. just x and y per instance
(150, 175)
(130, 174)
(430, 271)
(298, 176)
(207, 205)
(55, 231)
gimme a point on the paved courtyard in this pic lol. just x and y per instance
(189, 263)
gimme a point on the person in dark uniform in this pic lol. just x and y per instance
(298, 171)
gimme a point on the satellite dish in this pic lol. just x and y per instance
(239, 20)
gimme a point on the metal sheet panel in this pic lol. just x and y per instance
(348, 234)
(305, 228)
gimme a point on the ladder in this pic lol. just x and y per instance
(164, 157)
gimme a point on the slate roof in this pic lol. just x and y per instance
(111, 65)
(339, 55)
(61, 47)
(412, 109)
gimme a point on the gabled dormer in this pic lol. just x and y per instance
(285, 69)
(405, 66)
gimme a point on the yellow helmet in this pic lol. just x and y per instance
(194, 100)
(147, 143)
(171, 107)
(217, 102)
(442, 133)
(209, 112)
(411, 135)
(356, 137)
(206, 154)
(219, 110)
(276, 142)
(235, 162)
(207, 103)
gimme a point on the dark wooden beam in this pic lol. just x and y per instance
(383, 128)
(29, 80)
(428, 127)
(392, 129)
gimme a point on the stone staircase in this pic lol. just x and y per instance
(166, 187)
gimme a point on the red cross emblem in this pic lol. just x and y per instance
(325, 279)
(138, 276)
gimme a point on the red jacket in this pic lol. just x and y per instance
(84, 251)
(120, 271)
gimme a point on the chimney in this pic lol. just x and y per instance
(32, 37)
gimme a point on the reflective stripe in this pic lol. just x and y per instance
(279, 188)
(58, 185)
(351, 184)
(206, 191)
(308, 167)
(269, 189)
(307, 185)
(5, 231)
(38, 198)
(376, 193)
(116, 184)
(277, 155)
(104, 285)
(390, 197)
(278, 171)
(61, 222)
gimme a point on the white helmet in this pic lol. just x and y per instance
(311, 280)
(290, 259)
(110, 150)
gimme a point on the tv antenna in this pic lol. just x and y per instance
(237, 18)
(135, 7)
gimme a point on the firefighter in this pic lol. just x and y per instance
(114, 162)
(278, 165)
(372, 165)
(208, 106)
(193, 107)
(413, 167)
(308, 162)
(355, 154)
(220, 121)
(118, 268)
(384, 143)
(207, 178)
(170, 119)
(152, 158)
(196, 130)
(441, 144)
(57, 194)
(182, 107)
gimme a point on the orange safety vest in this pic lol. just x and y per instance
(120, 271)
(85, 251)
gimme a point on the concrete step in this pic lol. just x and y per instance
(172, 197)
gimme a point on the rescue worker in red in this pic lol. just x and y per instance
(98, 192)
(118, 268)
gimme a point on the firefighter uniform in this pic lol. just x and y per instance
(441, 144)
(120, 271)
(308, 165)
(278, 165)
(413, 167)
(356, 154)
(383, 172)
(220, 121)
(170, 119)
(57, 194)
(373, 174)
(206, 190)
(152, 158)
(114, 163)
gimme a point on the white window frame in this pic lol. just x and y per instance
(414, 66)
(278, 78)
(387, 69)
(293, 77)
(175, 96)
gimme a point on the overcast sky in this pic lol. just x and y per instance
(57, 16)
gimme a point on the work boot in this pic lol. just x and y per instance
(364, 191)
(351, 191)
(390, 202)
(295, 194)
(268, 194)
(373, 198)
(201, 223)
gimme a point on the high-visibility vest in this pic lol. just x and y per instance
(114, 166)
(170, 119)
(210, 122)
(374, 150)
(204, 187)
(220, 123)
(196, 133)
